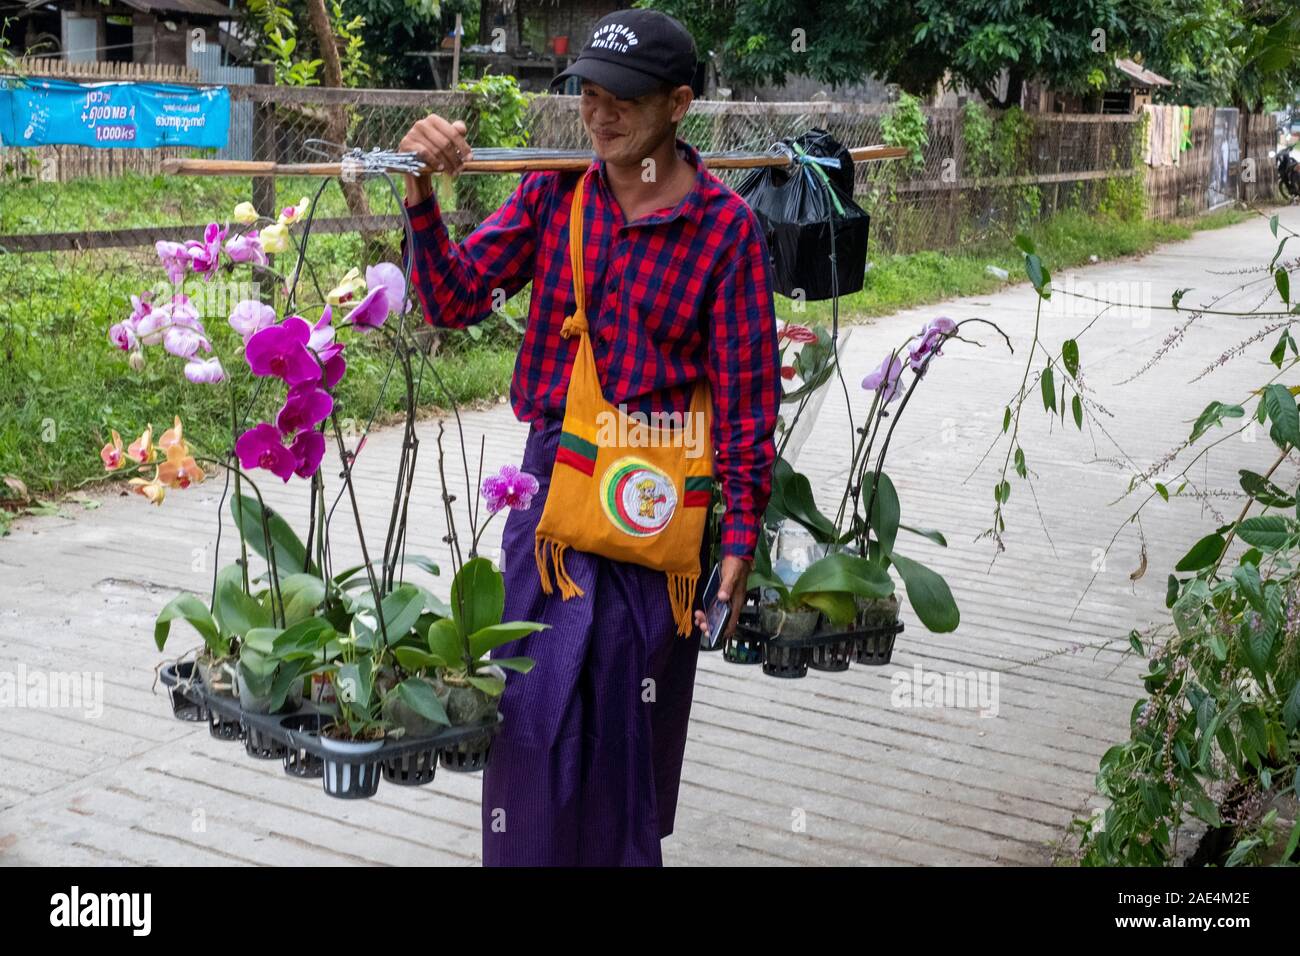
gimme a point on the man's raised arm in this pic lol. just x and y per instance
(461, 284)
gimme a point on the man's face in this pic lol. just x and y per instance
(624, 132)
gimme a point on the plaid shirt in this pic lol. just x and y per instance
(680, 293)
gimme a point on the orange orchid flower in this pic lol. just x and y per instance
(173, 436)
(152, 490)
(180, 470)
(142, 449)
(111, 453)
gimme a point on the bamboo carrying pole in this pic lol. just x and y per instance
(567, 161)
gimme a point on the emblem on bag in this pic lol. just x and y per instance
(637, 497)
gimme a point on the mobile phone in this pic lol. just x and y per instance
(716, 612)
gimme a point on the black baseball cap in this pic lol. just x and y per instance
(633, 52)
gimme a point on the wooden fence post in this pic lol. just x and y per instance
(264, 141)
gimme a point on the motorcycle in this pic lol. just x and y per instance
(1288, 173)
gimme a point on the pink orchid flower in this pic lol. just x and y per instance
(387, 296)
(930, 341)
(175, 259)
(509, 488)
(205, 256)
(246, 247)
(205, 371)
(886, 379)
(122, 335)
(251, 316)
(111, 453)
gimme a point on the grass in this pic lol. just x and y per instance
(63, 387)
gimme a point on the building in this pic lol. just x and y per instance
(171, 32)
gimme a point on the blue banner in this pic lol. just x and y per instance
(35, 111)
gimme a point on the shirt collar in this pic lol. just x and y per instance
(691, 206)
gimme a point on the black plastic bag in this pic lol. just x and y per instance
(802, 208)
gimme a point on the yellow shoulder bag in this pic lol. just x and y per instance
(625, 488)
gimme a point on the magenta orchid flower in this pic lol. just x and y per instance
(930, 341)
(307, 449)
(509, 488)
(320, 336)
(886, 379)
(262, 447)
(246, 247)
(304, 407)
(386, 296)
(251, 316)
(335, 366)
(205, 256)
(281, 350)
(204, 371)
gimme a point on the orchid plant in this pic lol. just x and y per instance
(858, 546)
(353, 636)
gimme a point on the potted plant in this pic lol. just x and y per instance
(454, 681)
(826, 590)
(852, 554)
(273, 665)
(351, 766)
(295, 629)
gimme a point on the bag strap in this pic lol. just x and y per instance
(576, 324)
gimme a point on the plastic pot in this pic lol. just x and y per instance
(225, 728)
(350, 779)
(468, 756)
(300, 762)
(878, 622)
(783, 660)
(833, 657)
(466, 705)
(217, 675)
(412, 770)
(183, 706)
(741, 648)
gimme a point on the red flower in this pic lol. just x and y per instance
(796, 333)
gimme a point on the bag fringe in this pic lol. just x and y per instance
(681, 595)
(569, 588)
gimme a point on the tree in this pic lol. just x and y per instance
(914, 43)
(1240, 51)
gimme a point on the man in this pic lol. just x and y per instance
(586, 768)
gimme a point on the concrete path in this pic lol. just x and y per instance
(831, 769)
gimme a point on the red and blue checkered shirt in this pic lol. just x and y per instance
(680, 293)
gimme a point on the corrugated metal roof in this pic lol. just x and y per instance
(1140, 74)
(202, 8)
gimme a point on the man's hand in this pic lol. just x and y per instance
(441, 146)
(734, 573)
